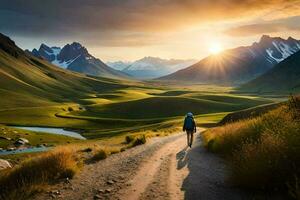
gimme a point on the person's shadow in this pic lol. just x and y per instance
(181, 158)
(207, 174)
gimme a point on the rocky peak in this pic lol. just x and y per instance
(46, 48)
(72, 51)
(9, 46)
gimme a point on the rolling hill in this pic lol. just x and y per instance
(29, 81)
(283, 78)
(76, 58)
(238, 65)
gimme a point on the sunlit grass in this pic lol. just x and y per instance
(33, 174)
(264, 151)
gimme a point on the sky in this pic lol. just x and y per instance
(131, 29)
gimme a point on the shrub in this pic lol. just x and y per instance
(139, 140)
(70, 109)
(129, 138)
(99, 155)
(23, 180)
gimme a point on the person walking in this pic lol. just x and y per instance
(189, 126)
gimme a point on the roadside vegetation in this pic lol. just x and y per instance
(264, 152)
(33, 174)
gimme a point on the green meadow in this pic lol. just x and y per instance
(129, 109)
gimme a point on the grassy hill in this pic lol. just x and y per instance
(29, 81)
(283, 78)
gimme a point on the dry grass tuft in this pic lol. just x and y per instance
(31, 175)
(100, 154)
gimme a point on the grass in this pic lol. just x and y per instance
(100, 154)
(263, 151)
(24, 180)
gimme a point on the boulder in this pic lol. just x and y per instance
(21, 141)
(4, 164)
(4, 138)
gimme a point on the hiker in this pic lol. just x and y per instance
(190, 127)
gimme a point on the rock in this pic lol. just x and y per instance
(4, 164)
(67, 181)
(101, 191)
(55, 192)
(11, 149)
(4, 138)
(110, 182)
(97, 197)
(108, 190)
(1, 149)
(15, 132)
(21, 141)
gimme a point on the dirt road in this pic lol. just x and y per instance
(164, 168)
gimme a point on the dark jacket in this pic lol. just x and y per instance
(189, 124)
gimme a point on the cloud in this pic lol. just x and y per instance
(112, 19)
(273, 26)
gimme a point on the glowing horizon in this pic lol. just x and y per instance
(130, 30)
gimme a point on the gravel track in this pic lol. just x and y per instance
(164, 168)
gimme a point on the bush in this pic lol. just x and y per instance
(129, 138)
(99, 155)
(139, 140)
(23, 180)
(70, 109)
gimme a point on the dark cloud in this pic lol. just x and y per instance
(274, 26)
(108, 18)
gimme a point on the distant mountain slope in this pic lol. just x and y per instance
(238, 65)
(28, 81)
(76, 58)
(119, 65)
(153, 67)
(284, 77)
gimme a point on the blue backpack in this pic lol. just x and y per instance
(189, 123)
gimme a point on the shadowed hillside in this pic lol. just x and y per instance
(283, 78)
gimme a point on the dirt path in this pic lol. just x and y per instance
(164, 168)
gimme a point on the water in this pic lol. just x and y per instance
(27, 150)
(58, 131)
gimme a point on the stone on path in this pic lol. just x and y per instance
(4, 164)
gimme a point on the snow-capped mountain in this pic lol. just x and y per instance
(153, 67)
(75, 57)
(240, 64)
(119, 65)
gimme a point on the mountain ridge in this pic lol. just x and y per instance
(284, 77)
(76, 57)
(238, 65)
(153, 67)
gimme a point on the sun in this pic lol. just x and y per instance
(215, 48)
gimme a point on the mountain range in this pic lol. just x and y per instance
(151, 67)
(76, 58)
(238, 65)
(283, 78)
